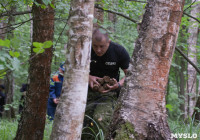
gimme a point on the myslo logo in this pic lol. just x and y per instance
(184, 135)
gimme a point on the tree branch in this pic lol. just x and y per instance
(14, 14)
(190, 5)
(120, 14)
(197, 69)
(137, 1)
(191, 17)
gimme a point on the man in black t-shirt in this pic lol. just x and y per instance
(107, 58)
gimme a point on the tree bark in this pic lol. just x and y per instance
(71, 108)
(182, 84)
(141, 113)
(2, 36)
(99, 15)
(32, 122)
(192, 41)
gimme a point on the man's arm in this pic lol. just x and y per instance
(52, 92)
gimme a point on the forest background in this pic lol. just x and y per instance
(121, 18)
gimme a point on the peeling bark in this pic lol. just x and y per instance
(142, 102)
(32, 122)
(71, 108)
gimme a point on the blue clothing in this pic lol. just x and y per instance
(54, 92)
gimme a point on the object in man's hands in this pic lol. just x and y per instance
(96, 87)
(103, 84)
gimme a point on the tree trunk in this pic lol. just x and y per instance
(2, 36)
(196, 112)
(71, 108)
(9, 90)
(192, 41)
(2, 31)
(32, 122)
(182, 83)
(141, 113)
(9, 78)
(113, 18)
(99, 15)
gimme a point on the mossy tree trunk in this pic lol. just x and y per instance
(141, 113)
(32, 122)
(71, 107)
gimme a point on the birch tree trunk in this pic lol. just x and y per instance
(32, 122)
(71, 108)
(192, 41)
(141, 113)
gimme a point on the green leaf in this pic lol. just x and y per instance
(5, 43)
(38, 50)
(170, 107)
(17, 54)
(52, 6)
(11, 53)
(43, 6)
(37, 44)
(14, 54)
(48, 44)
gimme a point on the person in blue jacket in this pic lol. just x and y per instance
(54, 92)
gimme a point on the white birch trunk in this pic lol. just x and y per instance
(71, 108)
(192, 41)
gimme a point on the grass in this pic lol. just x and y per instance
(180, 127)
(8, 129)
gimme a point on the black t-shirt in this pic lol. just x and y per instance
(108, 65)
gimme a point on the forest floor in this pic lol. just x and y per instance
(8, 129)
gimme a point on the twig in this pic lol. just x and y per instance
(137, 1)
(120, 14)
(190, 5)
(14, 14)
(15, 27)
(191, 17)
(197, 69)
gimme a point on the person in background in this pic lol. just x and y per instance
(54, 92)
(2, 99)
(23, 90)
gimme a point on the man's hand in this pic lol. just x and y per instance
(93, 80)
(56, 100)
(114, 86)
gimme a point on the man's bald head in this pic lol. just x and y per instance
(99, 35)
